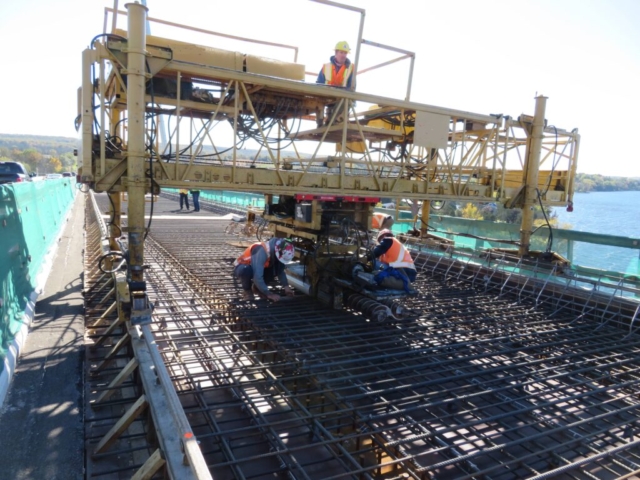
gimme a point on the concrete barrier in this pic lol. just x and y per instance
(31, 218)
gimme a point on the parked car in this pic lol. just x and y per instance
(53, 176)
(13, 172)
(68, 174)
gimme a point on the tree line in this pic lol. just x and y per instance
(586, 182)
(40, 154)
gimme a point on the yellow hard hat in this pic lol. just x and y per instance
(344, 46)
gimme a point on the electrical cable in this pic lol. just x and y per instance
(115, 254)
(113, 216)
(550, 240)
(108, 35)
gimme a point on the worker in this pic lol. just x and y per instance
(195, 193)
(381, 221)
(394, 265)
(184, 197)
(260, 264)
(339, 71)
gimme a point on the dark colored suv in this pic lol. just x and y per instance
(13, 172)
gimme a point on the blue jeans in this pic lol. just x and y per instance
(196, 201)
(184, 199)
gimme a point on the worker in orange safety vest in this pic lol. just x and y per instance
(260, 264)
(338, 72)
(395, 266)
(381, 221)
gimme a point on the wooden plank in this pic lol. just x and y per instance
(106, 313)
(94, 283)
(128, 369)
(150, 467)
(106, 297)
(112, 353)
(121, 425)
(108, 331)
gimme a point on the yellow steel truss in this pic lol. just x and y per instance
(307, 138)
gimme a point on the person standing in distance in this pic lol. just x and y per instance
(195, 193)
(184, 198)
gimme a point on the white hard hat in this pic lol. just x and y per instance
(384, 233)
(284, 250)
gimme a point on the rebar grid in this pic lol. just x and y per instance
(483, 382)
(512, 389)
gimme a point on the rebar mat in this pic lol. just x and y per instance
(476, 386)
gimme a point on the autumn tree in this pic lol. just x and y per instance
(472, 212)
(55, 165)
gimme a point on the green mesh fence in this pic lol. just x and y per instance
(609, 254)
(238, 199)
(31, 215)
(479, 235)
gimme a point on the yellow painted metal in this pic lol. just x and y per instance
(424, 217)
(530, 180)
(136, 180)
(205, 31)
(86, 116)
(368, 152)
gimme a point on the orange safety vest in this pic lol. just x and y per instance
(337, 78)
(245, 258)
(397, 256)
(378, 219)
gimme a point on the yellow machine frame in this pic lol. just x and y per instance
(385, 147)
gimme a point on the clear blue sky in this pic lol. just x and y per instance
(484, 57)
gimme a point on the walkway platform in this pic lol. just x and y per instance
(42, 418)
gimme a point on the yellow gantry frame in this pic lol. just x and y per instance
(486, 157)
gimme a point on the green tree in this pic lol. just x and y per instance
(598, 183)
(33, 158)
(68, 161)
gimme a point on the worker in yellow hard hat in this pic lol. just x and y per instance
(339, 71)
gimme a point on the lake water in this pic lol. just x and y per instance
(611, 213)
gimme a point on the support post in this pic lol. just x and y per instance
(86, 112)
(532, 166)
(136, 181)
(426, 208)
